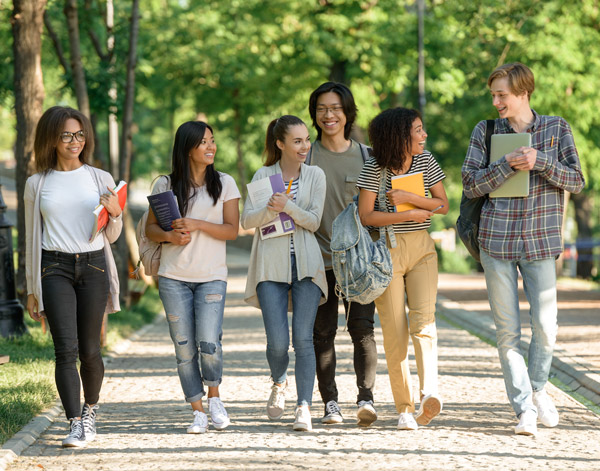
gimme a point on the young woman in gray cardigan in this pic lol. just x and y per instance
(286, 273)
(71, 280)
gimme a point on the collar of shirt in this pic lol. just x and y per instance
(507, 128)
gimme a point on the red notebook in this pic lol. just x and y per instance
(101, 214)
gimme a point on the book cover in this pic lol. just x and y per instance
(165, 209)
(518, 184)
(259, 193)
(411, 182)
(101, 214)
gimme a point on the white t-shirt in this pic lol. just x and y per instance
(67, 203)
(204, 258)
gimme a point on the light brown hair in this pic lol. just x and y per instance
(47, 136)
(276, 131)
(520, 78)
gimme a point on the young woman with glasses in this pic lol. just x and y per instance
(71, 281)
(192, 278)
(286, 272)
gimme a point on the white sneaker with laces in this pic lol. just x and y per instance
(218, 413)
(430, 407)
(76, 437)
(200, 423)
(88, 419)
(303, 422)
(527, 423)
(547, 413)
(366, 413)
(406, 421)
(276, 402)
(333, 414)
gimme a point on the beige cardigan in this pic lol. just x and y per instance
(270, 259)
(33, 238)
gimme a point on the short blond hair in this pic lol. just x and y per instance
(520, 78)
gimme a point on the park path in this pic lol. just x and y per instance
(142, 419)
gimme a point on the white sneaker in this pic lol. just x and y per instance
(547, 413)
(366, 413)
(88, 419)
(276, 402)
(76, 437)
(218, 414)
(527, 423)
(303, 422)
(406, 421)
(200, 423)
(431, 406)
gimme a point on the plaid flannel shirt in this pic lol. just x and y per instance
(532, 226)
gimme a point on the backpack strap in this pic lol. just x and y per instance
(381, 200)
(489, 130)
(365, 151)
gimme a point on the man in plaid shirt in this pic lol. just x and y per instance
(523, 234)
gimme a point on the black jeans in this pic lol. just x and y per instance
(360, 326)
(75, 292)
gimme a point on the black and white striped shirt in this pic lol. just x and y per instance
(371, 174)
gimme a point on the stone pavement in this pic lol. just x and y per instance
(142, 419)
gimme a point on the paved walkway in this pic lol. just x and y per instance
(142, 419)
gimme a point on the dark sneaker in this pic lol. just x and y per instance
(333, 414)
(88, 418)
(366, 414)
(76, 437)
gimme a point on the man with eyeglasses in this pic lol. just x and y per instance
(333, 111)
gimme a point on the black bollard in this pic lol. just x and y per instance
(11, 310)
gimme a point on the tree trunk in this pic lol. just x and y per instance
(583, 215)
(83, 102)
(27, 24)
(126, 151)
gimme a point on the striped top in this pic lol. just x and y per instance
(512, 227)
(371, 174)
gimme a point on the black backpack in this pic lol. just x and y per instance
(467, 224)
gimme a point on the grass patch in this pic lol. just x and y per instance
(27, 381)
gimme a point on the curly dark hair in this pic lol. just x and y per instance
(389, 135)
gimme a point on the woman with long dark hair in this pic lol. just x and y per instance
(398, 140)
(192, 278)
(71, 281)
(286, 273)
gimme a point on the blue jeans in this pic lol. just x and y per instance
(539, 284)
(273, 299)
(195, 316)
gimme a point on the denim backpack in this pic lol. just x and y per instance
(467, 224)
(362, 268)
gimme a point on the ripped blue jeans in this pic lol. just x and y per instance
(195, 316)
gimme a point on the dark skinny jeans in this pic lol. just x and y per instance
(75, 292)
(361, 329)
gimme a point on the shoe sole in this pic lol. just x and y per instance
(74, 445)
(431, 408)
(275, 417)
(302, 428)
(222, 425)
(332, 420)
(196, 430)
(365, 417)
(527, 433)
(407, 427)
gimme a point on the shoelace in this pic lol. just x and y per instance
(277, 396)
(76, 428)
(332, 408)
(88, 415)
(218, 405)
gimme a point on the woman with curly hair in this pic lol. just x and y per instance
(398, 140)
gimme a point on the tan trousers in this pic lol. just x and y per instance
(416, 276)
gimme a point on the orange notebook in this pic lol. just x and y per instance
(412, 182)
(101, 214)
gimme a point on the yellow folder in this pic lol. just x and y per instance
(411, 182)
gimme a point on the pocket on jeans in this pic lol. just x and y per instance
(96, 268)
(45, 269)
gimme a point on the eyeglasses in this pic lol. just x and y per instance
(337, 110)
(67, 137)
